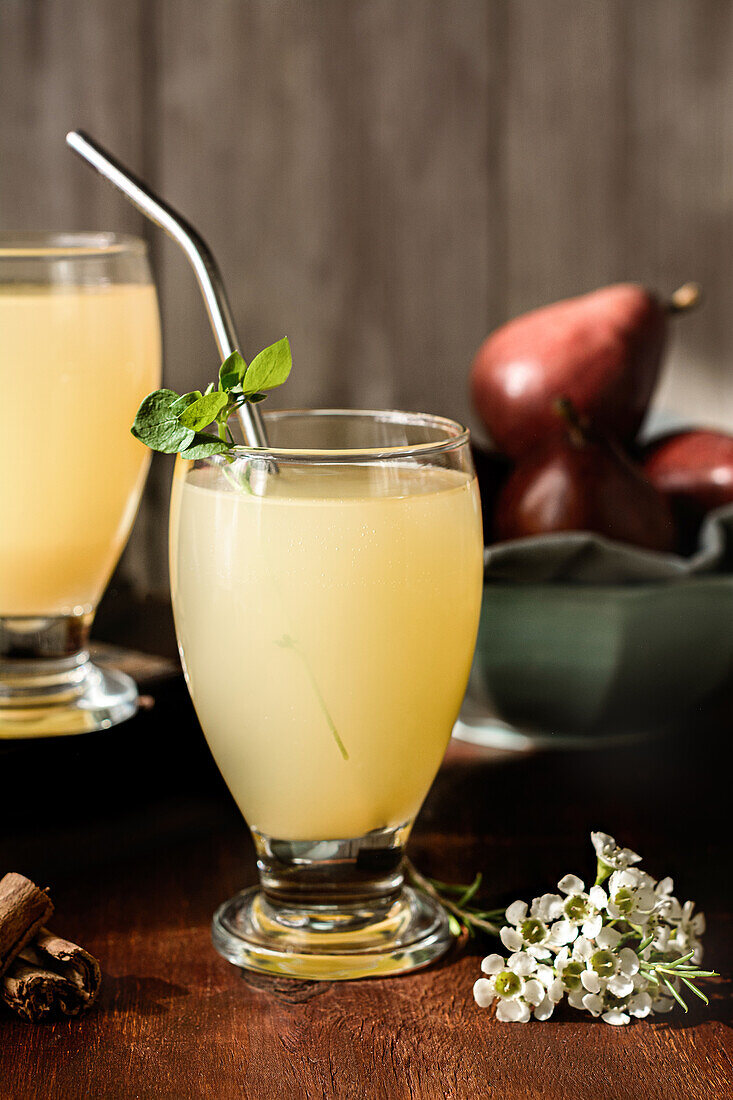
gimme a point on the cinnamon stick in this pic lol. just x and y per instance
(37, 994)
(24, 909)
(70, 960)
(41, 974)
(50, 978)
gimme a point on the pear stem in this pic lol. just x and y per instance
(577, 426)
(685, 298)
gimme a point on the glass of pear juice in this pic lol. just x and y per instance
(326, 596)
(79, 349)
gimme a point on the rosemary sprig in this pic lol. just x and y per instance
(664, 972)
(462, 917)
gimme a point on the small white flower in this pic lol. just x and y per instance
(664, 888)
(592, 1003)
(590, 981)
(640, 1005)
(648, 996)
(622, 982)
(560, 945)
(513, 984)
(531, 929)
(616, 1016)
(660, 943)
(546, 975)
(522, 963)
(517, 911)
(631, 896)
(513, 1012)
(613, 1006)
(684, 935)
(608, 938)
(570, 969)
(594, 971)
(547, 908)
(583, 948)
(581, 908)
(483, 992)
(562, 932)
(667, 912)
(544, 1009)
(697, 922)
(609, 852)
(534, 993)
(492, 964)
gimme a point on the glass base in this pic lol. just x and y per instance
(108, 698)
(330, 910)
(48, 685)
(335, 945)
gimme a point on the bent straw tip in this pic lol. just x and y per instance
(76, 138)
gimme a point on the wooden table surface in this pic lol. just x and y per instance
(139, 840)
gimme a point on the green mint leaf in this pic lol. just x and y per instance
(205, 444)
(232, 371)
(203, 410)
(268, 369)
(156, 423)
(183, 402)
(169, 422)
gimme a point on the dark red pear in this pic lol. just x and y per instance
(603, 351)
(694, 467)
(694, 470)
(580, 481)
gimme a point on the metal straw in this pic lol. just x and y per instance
(198, 252)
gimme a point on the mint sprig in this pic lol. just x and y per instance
(174, 423)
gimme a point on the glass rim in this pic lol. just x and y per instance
(75, 244)
(454, 435)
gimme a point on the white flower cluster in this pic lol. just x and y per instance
(617, 950)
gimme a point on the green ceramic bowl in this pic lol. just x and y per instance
(569, 663)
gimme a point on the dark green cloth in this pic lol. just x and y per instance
(583, 558)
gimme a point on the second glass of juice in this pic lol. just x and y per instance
(326, 595)
(79, 349)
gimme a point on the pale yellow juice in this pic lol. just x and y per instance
(340, 608)
(75, 363)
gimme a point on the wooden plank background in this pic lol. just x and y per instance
(386, 180)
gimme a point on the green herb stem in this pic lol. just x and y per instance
(289, 643)
(468, 919)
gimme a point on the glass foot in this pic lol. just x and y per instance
(327, 943)
(101, 698)
(330, 910)
(48, 685)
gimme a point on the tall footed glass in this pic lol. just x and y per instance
(79, 349)
(326, 595)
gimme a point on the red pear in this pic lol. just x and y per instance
(579, 481)
(603, 351)
(693, 467)
(694, 470)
